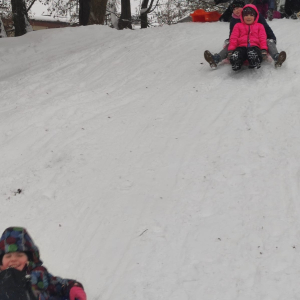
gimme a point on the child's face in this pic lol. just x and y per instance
(16, 260)
(237, 11)
(249, 19)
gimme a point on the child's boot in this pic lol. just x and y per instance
(213, 60)
(254, 58)
(294, 16)
(279, 59)
(270, 14)
(236, 61)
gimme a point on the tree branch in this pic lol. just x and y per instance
(29, 7)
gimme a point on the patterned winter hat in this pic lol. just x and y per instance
(249, 10)
(17, 239)
(237, 3)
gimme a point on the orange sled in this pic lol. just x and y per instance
(201, 15)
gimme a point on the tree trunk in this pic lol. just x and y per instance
(20, 17)
(144, 15)
(97, 13)
(84, 12)
(125, 18)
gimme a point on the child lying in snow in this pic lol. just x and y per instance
(18, 251)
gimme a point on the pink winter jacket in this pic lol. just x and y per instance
(242, 34)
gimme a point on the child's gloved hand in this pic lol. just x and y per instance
(229, 54)
(264, 54)
(78, 293)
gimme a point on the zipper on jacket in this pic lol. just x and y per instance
(27, 295)
(249, 37)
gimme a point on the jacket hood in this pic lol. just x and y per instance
(252, 6)
(17, 239)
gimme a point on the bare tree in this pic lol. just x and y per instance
(171, 11)
(84, 11)
(145, 10)
(125, 18)
(144, 14)
(90, 12)
(98, 11)
(20, 17)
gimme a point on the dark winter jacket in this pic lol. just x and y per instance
(261, 20)
(44, 285)
(244, 35)
(292, 6)
(226, 16)
(255, 2)
(15, 285)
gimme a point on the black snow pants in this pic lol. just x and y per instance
(292, 6)
(240, 54)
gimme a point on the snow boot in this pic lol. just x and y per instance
(253, 58)
(270, 14)
(236, 61)
(279, 59)
(294, 16)
(211, 59)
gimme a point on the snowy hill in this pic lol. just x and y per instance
(146, 175)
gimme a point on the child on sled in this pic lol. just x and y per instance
(236, 8)
(19, 257)
(248, 40)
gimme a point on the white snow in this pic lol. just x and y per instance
(146, 175)
(2, 30)
(51, 19)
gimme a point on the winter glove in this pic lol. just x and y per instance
(78, 293)
(264, 54)
(229, 54)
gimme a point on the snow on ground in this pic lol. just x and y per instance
(146, 175)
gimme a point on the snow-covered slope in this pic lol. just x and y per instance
(146, 175)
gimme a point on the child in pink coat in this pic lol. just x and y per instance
(248, 40)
